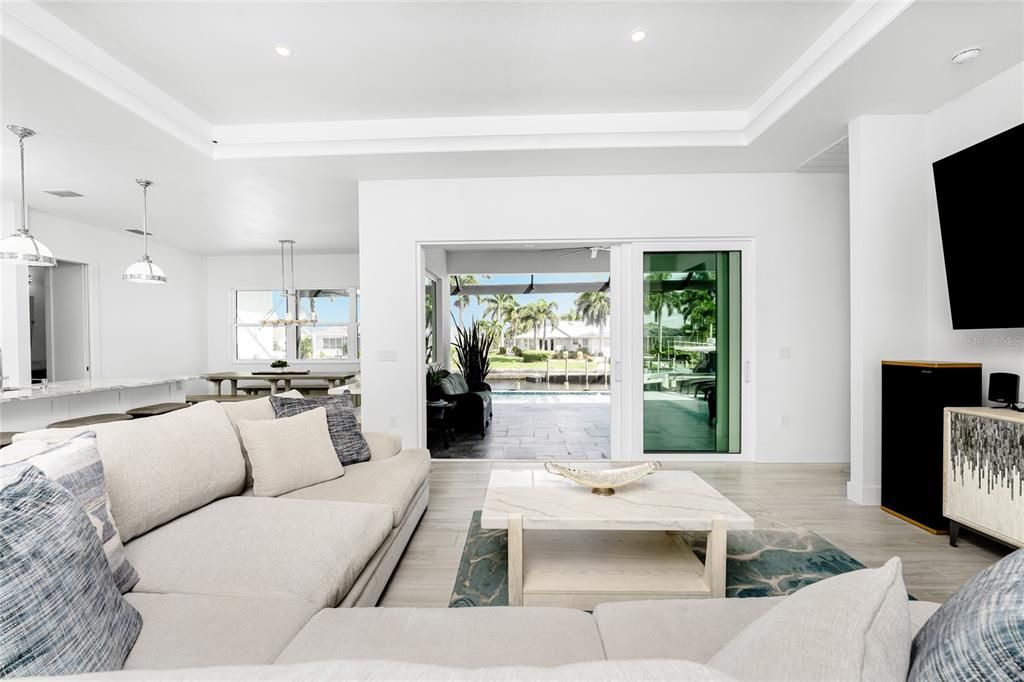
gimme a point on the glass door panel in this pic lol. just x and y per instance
(691, 351)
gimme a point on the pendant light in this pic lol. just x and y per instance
(20, 246)
(291, 296)
(144, 271)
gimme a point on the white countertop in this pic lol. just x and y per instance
(60, 389)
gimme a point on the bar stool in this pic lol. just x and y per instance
(155, 410)
(87, 421)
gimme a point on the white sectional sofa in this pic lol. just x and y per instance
(234, 586)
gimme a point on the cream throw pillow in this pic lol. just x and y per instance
(257, 408)
(289, 453)
(854, 626)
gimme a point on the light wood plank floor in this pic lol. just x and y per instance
(811, 496)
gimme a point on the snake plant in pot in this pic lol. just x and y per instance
(472, 348)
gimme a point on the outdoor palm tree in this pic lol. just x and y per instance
(499, 308)
(461, 300)
(659, 303)
(700, 311)
(547, 312)
(491, 327)
(529, 317)
(594, 307)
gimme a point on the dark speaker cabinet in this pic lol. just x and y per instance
(914, 395)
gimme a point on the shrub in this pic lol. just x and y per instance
(517, 351)
(502, 350)
(535, 355)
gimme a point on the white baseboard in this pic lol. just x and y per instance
(867, 495)
(804, 457)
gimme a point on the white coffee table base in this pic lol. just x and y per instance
(583, 568)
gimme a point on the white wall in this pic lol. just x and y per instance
(887, 277)
(137, 331)
(899, 303)
(225, 273)
(799, 223)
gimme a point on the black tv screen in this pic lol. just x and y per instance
(980, 193)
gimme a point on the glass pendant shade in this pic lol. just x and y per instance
(20, 246)
(144, 270)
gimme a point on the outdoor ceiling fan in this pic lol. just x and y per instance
(594, 250)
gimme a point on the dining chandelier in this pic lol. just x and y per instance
(291, 297)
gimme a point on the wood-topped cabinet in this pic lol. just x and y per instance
(914, 395)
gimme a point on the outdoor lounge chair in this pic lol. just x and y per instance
(472, 403)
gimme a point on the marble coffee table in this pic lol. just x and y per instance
(569, 547)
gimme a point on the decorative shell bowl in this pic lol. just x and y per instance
(603, 481)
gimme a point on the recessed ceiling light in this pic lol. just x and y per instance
(529, 246)
(282, 51)
(967, 54)
(637, 35)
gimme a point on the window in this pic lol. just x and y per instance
(330, 316)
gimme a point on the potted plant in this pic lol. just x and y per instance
(472, 351)
(434, 376)
(279, 364)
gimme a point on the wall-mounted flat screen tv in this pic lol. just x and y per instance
(980, 193)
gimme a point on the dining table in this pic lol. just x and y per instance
(275, 379)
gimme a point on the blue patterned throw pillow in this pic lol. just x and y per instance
(76, 465)
(979, 633)
(348, 440)
(61, 613)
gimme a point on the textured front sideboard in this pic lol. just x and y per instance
(983, 480)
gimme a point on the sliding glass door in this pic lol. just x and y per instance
(691, 351)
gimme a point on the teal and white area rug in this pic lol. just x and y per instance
(760, 563)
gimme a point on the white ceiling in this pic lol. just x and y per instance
(428, 59)
(93, 143)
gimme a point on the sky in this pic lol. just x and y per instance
(566, 302)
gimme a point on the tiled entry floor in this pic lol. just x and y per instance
(560, 426)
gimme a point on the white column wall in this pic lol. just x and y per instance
(888, 234)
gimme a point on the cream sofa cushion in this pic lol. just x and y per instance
(464, 638)
(159, 468)
(853, 626)
(191, 630)
(382, 445)
(393, 481)
(369, 669)
(690, 629)
(262, 547)
(259, 408)
(289, 453)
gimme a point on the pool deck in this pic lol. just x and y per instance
(538, 426)
(560, 425)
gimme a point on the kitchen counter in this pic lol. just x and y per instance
(59, 389)
(33, 408)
